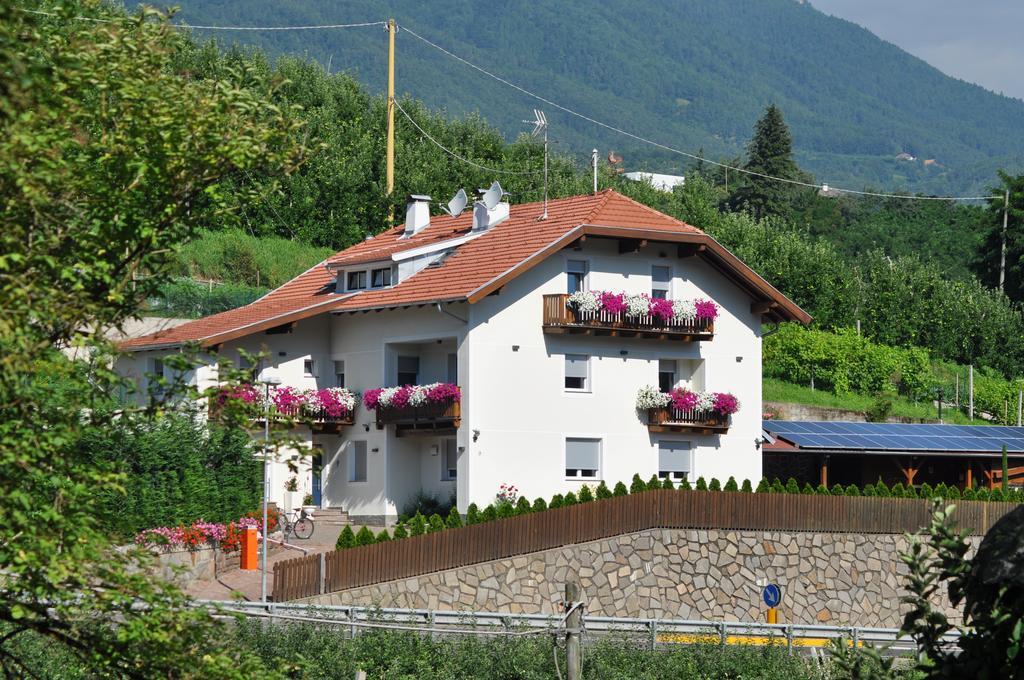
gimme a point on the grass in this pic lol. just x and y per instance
(232, 256)
(780, 391)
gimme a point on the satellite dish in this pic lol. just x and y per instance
(492, 196)
(457, 204)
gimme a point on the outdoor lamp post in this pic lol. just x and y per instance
(267, 378)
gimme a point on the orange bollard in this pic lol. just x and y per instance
(250, 552)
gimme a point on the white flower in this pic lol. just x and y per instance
(638, 305)
(587, 301)
(418, 396)
(684, 310)
(649, 397)
(386, 395)
(705, 401)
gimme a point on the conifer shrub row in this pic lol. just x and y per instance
(418, 524)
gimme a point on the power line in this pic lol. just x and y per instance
(457, 156)
(665, 147)
(229, 28)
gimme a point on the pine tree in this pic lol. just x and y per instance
(926, 491)
(777, 486)
(851, 490)
(970, 495)
(792, 486)
(807, 489)
(472, 514)
(417, 525)
(637, 485)
(881, 490)
(435, 524)
(454, 520)
(746, 488)
(989, 251)
(383, 536)
(620, 489)
(603, 491)
(822, 490)
(897, 490)
(400, 532)
(570, 499)
(556, 501)
(770, 152)
(586, 495)
(763, 486)
(346, 539)
(685, 485)
(730, 484)
(489, 514)
(653, 483)
(838, 490)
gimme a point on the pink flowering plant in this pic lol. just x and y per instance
(411, 395)
(507, 494)
(642, 305)
(332, 402)
(681, 399)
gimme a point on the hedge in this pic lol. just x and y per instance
(419, 524)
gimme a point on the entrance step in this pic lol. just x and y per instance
(334, 516)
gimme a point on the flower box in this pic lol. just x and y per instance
(685, 411)
(329, 406)
(414, 408)
(605, 313)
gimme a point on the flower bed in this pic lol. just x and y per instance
(202, 534)
(641, 307)
(720, 404)
(411, 395)
(320, 404)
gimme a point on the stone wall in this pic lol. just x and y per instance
(837, 579)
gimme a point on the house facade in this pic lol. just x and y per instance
(549, 328)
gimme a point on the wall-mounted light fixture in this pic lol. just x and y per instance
(476, 435)
(623, 352)
(739, 359)
(375, 449)
(515, 348)
(282, 354)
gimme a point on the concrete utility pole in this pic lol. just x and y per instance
(593, 161)
(970, 389)
(1002, 247)
(390, 172)
(573, 657)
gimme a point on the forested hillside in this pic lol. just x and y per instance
(694, 74)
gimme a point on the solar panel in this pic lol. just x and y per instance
(899, 436)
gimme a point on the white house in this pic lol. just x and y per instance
(657, 180)
(548, 389)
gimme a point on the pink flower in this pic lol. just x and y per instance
(401, 398)
(330, 402)
(444, 392)
(287, 400)
(726, 404)
(683, 399)
(371, 398)
(662, 309)
(706, 309)
(613, 303)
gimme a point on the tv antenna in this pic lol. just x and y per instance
(540, 124)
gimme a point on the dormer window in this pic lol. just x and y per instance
(380, 278)
(356, 280)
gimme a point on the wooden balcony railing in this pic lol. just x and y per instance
(320, 421)
(428, 419)
(560, 317)
(671, 419)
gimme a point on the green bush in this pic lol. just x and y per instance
(505, 509)
(365, 537)
(417, 525)
(792, 486)
(454, 519)
(763, 486)
(838, 490)
(869, 490)
(746, 488)
(881, 490)
(701, 484)
(927, 491)
(822, 490)
(189, 299)
(570, 499)
(777, 486)
(653, 483)
(346, 539)
(489, 514)
(807, 489)
(383, 536)
(540, 505)
(523, 506)
(620, 489)
(983, 494)
(715, 485)
(880, 409)
(667, 484)
(637, 485)
(730, 484)
(556, 501)
(603, 491)
(400, 532)
(586, 495)
(472, 514)
(996, 494)
(684, 485)
(435, 524)
(970, 495)
(852, 490)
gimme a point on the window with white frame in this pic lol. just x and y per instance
(582, 458)
(667, 374)
(450, 461)
(380, 278)
(339, 373)
(675, 460)
(576, 276)
(309, 368)
(661, 281)
(357, 461)
(156, 372)
(408, 370)
(356, 281)
(577, 373)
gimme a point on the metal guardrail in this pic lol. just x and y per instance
(795, 636)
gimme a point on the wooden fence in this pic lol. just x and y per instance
(317, 574)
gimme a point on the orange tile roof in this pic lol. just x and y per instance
(472, 270)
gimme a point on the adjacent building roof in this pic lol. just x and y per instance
(476, 267)
(891, 438)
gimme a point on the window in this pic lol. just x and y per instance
(453, 368)
(380, 278)
(309, 368)
(576, 271)
(661, 281)
(156, 370)
(357, 461)
(577, 372)
(675, 460)
(666, 374)
(253, 368)
(408, 370)
(450, 462)
(339, 373)
(356, 280)
(582, 458)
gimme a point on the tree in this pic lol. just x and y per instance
(770, 152)
(991, 226)
(108, 159)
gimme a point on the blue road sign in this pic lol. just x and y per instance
(772, 595)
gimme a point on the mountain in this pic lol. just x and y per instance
(693, 74)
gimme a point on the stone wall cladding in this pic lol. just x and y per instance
(835, 579)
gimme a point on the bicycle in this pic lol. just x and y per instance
(299, 525)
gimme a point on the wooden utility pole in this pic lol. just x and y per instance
(573, 657)
(1002, 246)
(390, 171)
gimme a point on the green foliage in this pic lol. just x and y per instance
(701, 484)
(881, 490)
(365, 537)
(898, 490)
(620, 489)
(970, 495)
(941, 491)
(435, 524)
(454, 519)
(570, 499)
(637, 485)
(792, 486)
(586, 495)
(235, 256)
(730, 484)
(715, 485)
(667, 484)
(504, 509)
(926, 491)
(418, 524)
(764, 486)
(602, 491)
(880, 409)
(747, 487)
(489, 514)
(869, 490)
(383, 536)
(982, 494)
(427, 504)
(523, 506)
(685, 485)
(400, 532)
(539, 505)
(1005, 461)
(770, 152)
(852, 490)
(807, 489)
(822, 490)
(556, 501)
(653, 483)
(185, 298)
(347, 539)
(472, 514)
(777, 486)
(838, 490)
(990, 252)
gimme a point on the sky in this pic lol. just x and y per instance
(975, 40)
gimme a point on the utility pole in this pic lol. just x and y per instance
(593, 162)
(1002, 246)
(970, 389)
(1020, 406)
(573, 658)
(392, 30)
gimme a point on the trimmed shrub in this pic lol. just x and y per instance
(637, 485)
(383, 536)
(505, 510)
(417, 525)
(472, 514)
(540, 505)
(570, 499)
(869, 490)
(365, 537)
(715, 485)
(746, 488)
(653, 483)
(881, 490)
(792, 486)
(435, 524)
(777, 486)
(926, 491)
(822, 490)
(852, 490)
(807, 489)
(909, 492)
(603, 491)
(763, 486)
(701, 484)
(523, 506)
(667, 484)
(346, 539)
(970, 495)
(489, 514)
(454, 519)
(982, 494)
(996, 494)
(620, 489)
(731, 485)
(400, 532)
(586, 495)
(685, 485)
(898, 491)
(838, 490)
(940, 490)
(953, 493)
(556, 501)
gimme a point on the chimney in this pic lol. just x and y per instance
(417, 214)
(490, 209)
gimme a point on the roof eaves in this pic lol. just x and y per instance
(522, 266)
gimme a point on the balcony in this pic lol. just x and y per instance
(431, 410)
(562, 317)
(670, 419)
(325, 411)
